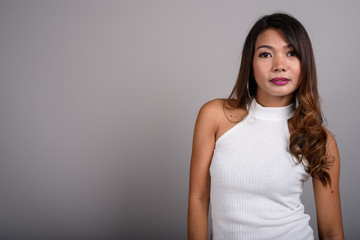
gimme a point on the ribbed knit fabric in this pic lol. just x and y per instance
(255, 182)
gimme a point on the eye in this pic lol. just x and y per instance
(292, 54)
(265, 55)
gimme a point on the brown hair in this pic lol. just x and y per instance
(308, 139)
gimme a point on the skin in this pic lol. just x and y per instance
(273, 57)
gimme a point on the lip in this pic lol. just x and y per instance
(280, 81)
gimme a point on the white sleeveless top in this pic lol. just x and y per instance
(255, 182)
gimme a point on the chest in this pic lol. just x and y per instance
(255, 156)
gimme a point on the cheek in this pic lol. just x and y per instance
(297, 72)
(260, 73)
(258, 70)
(297, 68)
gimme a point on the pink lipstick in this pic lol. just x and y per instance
(280, 81)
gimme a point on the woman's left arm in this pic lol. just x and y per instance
(327, 199)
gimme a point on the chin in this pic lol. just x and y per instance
(282, 92)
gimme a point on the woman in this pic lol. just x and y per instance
(253, 152)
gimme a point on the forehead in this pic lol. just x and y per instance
(272, 37)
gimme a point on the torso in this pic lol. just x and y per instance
(255, 183)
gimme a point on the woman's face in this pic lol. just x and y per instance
(276, 68)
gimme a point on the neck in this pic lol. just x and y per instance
(270, 113)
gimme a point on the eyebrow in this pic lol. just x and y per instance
(270, 47)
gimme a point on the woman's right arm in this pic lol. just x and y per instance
(199, 187)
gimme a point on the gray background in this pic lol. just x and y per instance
(98, 101)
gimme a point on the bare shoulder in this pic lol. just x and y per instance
(212, 108)
(331, 145)
(210, 112)
(219, 110)
(330, 137)
(213, 105)
(219, 116)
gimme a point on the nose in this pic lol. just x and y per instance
(279, 64)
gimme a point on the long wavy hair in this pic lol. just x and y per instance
(308, 138)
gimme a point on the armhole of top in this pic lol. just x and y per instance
(242, 121)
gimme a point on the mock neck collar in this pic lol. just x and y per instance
(270, 113)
